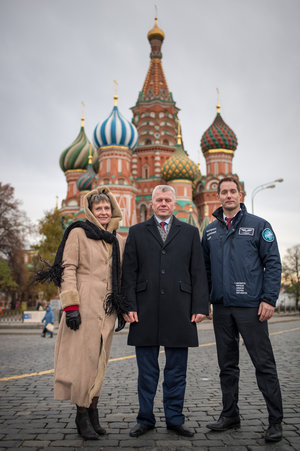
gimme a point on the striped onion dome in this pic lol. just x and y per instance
(85, 181)
(115, 131)
(179, 166)
(218, 135)
(77, 154)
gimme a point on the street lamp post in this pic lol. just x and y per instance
(268, 185)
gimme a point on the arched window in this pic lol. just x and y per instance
(145, 171)
(143, 212)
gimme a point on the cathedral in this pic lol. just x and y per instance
(132, 157)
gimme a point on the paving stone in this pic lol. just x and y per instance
(31, 419)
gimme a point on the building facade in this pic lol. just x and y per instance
(132, 157)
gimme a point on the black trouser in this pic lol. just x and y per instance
(228, 323)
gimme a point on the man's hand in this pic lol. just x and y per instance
(197, 317)
(73, 319)
(209, 316)
(131, 317)
(265, 311)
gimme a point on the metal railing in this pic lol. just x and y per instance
(11, 316)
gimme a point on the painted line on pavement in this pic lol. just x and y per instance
(117, 359)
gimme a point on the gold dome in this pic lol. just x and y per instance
(156, 32)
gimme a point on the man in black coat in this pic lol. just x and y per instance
(164, 279)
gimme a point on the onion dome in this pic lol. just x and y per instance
(115, 131)
(85, 181)
(218, 135)
(179, 165)
(76, 155)
(156, 32)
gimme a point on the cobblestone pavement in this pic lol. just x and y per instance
(31, 419)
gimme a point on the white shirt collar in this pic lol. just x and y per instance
(163, 220)
(224, 216)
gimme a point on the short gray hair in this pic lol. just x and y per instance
(163, 189)
(96, 198)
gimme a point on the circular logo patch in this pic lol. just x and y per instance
(268, 235)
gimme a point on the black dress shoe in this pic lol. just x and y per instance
(181, 430)
(140, 429)
(225, 423)
(274, 433)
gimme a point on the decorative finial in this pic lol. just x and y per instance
(179, 136)
(56, 206)
(116, 93)
(90, 154)
(218, 101)
(82, 113)
(198, 157)
(155, 6)
(205, 209)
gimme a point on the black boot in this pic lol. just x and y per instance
(94, 418)
(84, 427)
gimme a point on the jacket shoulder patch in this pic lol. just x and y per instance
(268, 235)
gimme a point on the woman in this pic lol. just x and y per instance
(87, 269)
(48, 319)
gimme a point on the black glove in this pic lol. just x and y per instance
(73, 319)
(121, 323)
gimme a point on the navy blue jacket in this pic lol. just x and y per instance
(243, 263)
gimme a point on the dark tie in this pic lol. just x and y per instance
(163, 224)
(228, 222)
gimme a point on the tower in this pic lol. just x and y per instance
(74, 162)
(179, 171)
(115, 139)
(85, 183)
(155, 116)
(218, 145)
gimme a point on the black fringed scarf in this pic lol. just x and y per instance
(115, 301)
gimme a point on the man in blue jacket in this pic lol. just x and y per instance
(244, 276)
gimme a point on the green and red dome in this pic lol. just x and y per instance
(218, 136)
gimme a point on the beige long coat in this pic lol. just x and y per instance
(81, 356)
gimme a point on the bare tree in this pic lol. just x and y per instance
(291, 271)
(14, 227)
(51, 232)
(13, 223)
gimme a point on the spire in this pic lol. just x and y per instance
(116, 93)
(179, 136)
(155, 86)
(218, 101)
(82, 113)
(90, 155)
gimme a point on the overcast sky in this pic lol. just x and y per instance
(56, 53)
